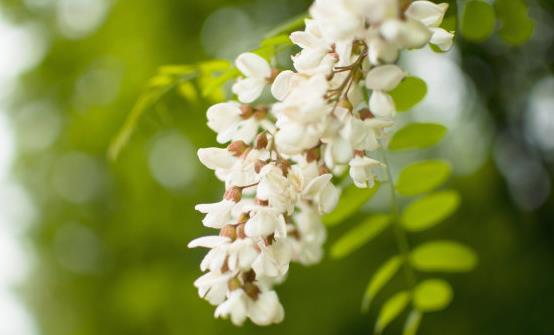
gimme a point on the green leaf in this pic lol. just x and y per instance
(278, 40)
(352, 198)
(446, 256)
(478, 21)
(516, 26)
(412, 322)
(432, 295)
(417, 136)
(383, 275)
(359, 235)
(430, 210)
(422, 177)
(391, 310)
(409, 93)
(296, 23)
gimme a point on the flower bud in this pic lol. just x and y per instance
(258, 166)
(366, 114)
(313, 154)
(262, 202)
(240, 231)
(237, 148)
(233, 284)
(229, 231)
(261, 141)
(246, 111)
(249, 276)
(234, 194)
(251, 290)
(260, 113)
(324, 170)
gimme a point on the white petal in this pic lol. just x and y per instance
(222, 115)
(282, 85)
(317, 185)
(442, 38)
(253, 66)
(384, 78)
(329, 198)
(382, 105)
(216, 158)
(428, 13)
(249, 89)
(409, 34)
(208, 242)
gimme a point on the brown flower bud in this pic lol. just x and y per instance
(243, 218)
(229, 231)
(249, 276)
(237, 148)
(260, 112)
(240, 231)
(234, 194)
(233, 284)
(366, 114)
(284, 165)
(359, 153)
(262, 202)
(261, 141)
(246, 111)
(259, 165)
(313, 154)
(324, 170)
(251, 290)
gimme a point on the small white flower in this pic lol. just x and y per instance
(384, 78)
(217, 214)
(323, 193)
(265, 221)
(410, 34)
(235, 307)
(314, 47)
(427, 12)
(382, 105)
(212, 286)
(266, 309)
(208, 241)
(442, 38)
(275, 188)
(257, 74)
(227, 121)
(241, 254)
(273, 260)
(361, 171)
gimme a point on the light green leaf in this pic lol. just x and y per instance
(430, 210)
(296, 23)
(516, 26)
(432, 295)
(422, 177)
(391, 310)
(352, 198)
(359, 235)
(278, 40)
(409, 93)
(446, 256)
(383, 275)
(417, 136)
(478, 21)
(412, 322)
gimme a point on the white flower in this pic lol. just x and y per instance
(217, 159)
(427, 12)
(257, 72)
(314, 47)
(273, 260)
(275, 188)
(226, 119)
(265, 221)
(217, 214)
(235, 307)
(382, 105)
(293, 138)
(323, 193)
(241, 254)
(409, 34)
(380, 51)
(364, 134)
(384, 78)
(310, 236)
(337, 21)
(361, 171)
(266, 309)
(284, 83)
(442, 38)
(213, 286)
(208, 241)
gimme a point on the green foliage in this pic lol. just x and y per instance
(417, 136)
(516, 27)
(430, 210)
(381, 277)
(445, 256)
(359, 235)
(409, 93)
(352, 198)
(412, 322)
(422, 177)
(478, 21)
(432, 295)
(391, 310)
(293, 24)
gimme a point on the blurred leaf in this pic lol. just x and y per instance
(294, 24)
(209, 87)
(391, 310)
(446, 256)
(412, 322)
(188, 91)
(278, 40)
(409, 93)
(516, 26)
(381, 277)
(430, 210)
(421, 177)
(478, 21)
(432, 295)
(352, 198)
(359, 235)
(417, 136)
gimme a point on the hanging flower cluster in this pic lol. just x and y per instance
(329, 116)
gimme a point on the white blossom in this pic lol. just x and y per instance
(257, 74)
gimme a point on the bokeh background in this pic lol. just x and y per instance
(91, 246)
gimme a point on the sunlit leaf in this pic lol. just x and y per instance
(391, 310)
(381, 277)
(516, 27)
(478, 21)
(421, 177)
(432, 295)
(445, 256)
(278, 40)
(359, 235)
(294, 24)
(412, 322)
(430, 210)
(409, 93)
(352, 198)
(417, 136)
(188, 91)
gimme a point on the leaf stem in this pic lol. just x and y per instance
(399, 233)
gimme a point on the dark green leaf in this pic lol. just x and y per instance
(478, 21)
(516, 26)
(409, 93)
(412, 322)
(391, 310)
(296, 23)
(430, 210)
(381, 277)
(417, 136)
(446, 256)
(359, 235)
(422, 177)
(351, 200)
(432, 295)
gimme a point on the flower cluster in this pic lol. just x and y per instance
(327, 117)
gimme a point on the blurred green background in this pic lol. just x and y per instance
(94, 246)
